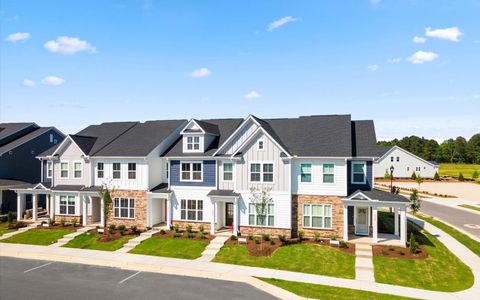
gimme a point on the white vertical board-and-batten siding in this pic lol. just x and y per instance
(405, 167)
(140, 183)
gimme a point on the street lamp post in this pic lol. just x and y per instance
(391, 178)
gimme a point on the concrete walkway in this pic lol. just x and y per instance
(23, 229)
(132, 243)
(364, 262)
(212, 249)
(67, 238)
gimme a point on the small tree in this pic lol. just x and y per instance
(436, 177)
(460, 177)
(105, 195)
(414, 176)
(412, 244)
(386, 175)
(416, 201)
(261, 199)
(419, 180)
(475, 174)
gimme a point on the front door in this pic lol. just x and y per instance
(228, 214)
(361, 221)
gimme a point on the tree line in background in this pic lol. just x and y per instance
(457, 150)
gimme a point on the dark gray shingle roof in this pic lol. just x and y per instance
(383, 196)
(103, 134)
(11, 184)
(25, 138)
(161, 188)
(364, 141)
(7, 129)
(224, 193)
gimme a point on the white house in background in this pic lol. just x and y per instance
(404, 162)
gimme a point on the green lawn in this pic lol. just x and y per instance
(441, 271)
(318, 291)
(468, 242)
(470, 207)
(455, 169)
(179, 248)
(89, 241)
(38, 237)
(305, 258)
(4, 228)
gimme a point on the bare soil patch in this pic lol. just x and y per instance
(399, 252)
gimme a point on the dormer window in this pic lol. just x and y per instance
(193, 143)
(260, 145)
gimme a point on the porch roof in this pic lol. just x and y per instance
(222, 193)
(375, 195)
(162, 188)
(6, 184)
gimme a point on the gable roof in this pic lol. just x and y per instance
(26, 138)
(378, 195)
(8, 129)
(388, 150)
(364, 139)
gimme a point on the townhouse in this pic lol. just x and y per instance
(317, 172)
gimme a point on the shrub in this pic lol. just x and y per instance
(386, 175)
(111, 227)
(233, 237)
(460, 177)
(202, 235)
(10, 217)
(475, 174)
(189, 228)
(176, 228)
(51, 222)
(63, 221)
(416, 201)
(256, 240)
(250, 237)
(333, 236)
(316, 236)
(343, 245)
(134, 229)
(412, 244)
(176, 234)
(162, 232)
(414, 176)
(190, 235)
(301, 234)
(282, 238)
(272, 242)
(74, 222)
(201, 228)
(122, 229)
(266, 237)
(110, 230)
(436, 177)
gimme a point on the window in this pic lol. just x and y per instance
(305, 172)
(77, 169)
(260, 145)
(227, 171)
(358, 172)
(328, 173)
(261, 172)
(51, 138)
(132, 170)
(191, 171)
(417, 169)
(317, 216)
(100, 170)
(124, 208)
(64, 170)
(398, 158)
(67, 205)
(49, 169)
(191, 210)
(391, 158)
(193, 142)
(116, 170)
(166, 170)
(264, 216)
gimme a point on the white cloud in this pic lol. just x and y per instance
(419, 40)
(280, 22)
(53, 80)
(69, 45)
(252, 95)
(18, 37)
(28, 82)
(200, 73)
(450, 34)
(373, 68)
(421, 57)
(394, 60)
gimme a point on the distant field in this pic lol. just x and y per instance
(454, 169)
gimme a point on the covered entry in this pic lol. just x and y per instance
(159, 210)
(225, 211)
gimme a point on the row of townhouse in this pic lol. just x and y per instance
(318, 170)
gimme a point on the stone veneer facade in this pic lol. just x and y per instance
(140, 219)
(337, 215)
(273, 232)
(58, 218)
(195, 225)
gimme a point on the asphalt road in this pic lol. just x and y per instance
(35, 279)
(454, 216)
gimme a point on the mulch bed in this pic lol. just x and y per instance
(399, 252)
(183, 235)
(59, 226)
(16, 225)
(115, 235)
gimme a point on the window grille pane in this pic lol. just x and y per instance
(305, 168)
(268, 168)
(268, 177)
(317, 210)
(251, 208)
(306, 221)
(251, 219)
(358, 168)
(306, 177)
(185, 167)
(183, 204)
(116, 214)
(71, 210)
(328, 222)
(358, 177)
(261, 220)
(200, 215)
(270, 221)
(191, 215)
(328, 211)
(255, 177)
(227, 176)
(132, 213)
(306, 210)
(328, 178)
(227, 167)
(328, 168)
(182, 214)
(255, 168)
(317, 221)
(200, 204)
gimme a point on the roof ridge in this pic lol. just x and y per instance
(115, 138)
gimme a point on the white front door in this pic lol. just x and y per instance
(361, 220)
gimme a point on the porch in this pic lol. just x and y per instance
(383, 239)
(225, 217)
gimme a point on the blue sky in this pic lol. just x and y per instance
(412, 66)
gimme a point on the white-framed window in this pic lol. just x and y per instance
(317, 216)
(227, 171)
(132, 170)
(191, 210)
(359, 170)
(49, 169)
(417, 169)
(261, 172)
(305, 172)
(260, 145)
(116, 167)
(191, 171)
(100, 170)
(193, 143)
(328, 173)
(264, 216)
(67, 205)
(64, 169)
(77, 169)
(124, 208)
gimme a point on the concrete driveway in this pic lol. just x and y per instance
(35, 279)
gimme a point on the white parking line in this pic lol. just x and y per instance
(29, 270)
(120, 282)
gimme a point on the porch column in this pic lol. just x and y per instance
(403, 226)
(212, 221)
(51, 199)
(235, 217)
(345, 222)
(375, 224)
(34, 207)
(102, 212)
(395, 214)
(47, 202)
(84, 210)
(20, 203)
(169, 212)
